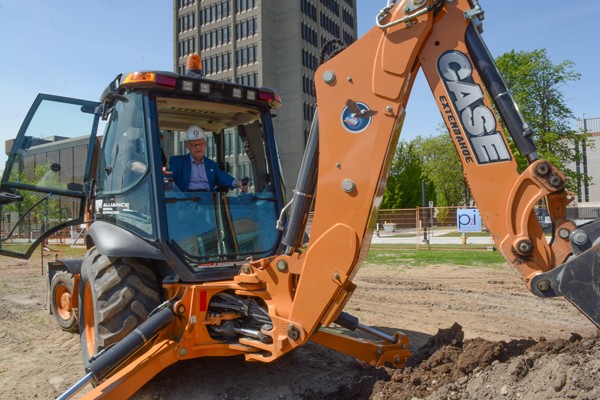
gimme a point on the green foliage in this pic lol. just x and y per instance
(404, 182)
(443, 169)
(536, 86)
(433, 159)
(49, 209)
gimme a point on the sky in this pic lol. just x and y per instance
(74, 48)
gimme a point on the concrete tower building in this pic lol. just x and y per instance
(275, 44)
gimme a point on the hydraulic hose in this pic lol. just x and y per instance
(305, 190)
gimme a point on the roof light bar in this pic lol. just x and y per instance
(204, 87)
(187, 86)
(167, 81)
(136, 77)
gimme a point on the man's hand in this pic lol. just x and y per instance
(138, 167)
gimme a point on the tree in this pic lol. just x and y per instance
(47, 210)
(442, 167)
(536, 86)
(403, 188)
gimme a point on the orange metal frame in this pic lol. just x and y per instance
(306, 291)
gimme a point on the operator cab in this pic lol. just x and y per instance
(209, 234)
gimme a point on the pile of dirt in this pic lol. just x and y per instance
(449, 367)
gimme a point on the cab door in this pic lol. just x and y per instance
(41, 192)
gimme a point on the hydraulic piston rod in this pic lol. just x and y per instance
(107, 360)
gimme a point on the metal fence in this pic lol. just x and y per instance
(410, 219)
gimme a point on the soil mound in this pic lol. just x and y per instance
(449, 367)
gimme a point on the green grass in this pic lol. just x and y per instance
(423, 257)
(61, 250)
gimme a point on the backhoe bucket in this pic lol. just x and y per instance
(578, 280)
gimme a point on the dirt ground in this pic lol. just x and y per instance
(477, 333)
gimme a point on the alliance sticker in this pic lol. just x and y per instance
(356, 116)
(110, 208)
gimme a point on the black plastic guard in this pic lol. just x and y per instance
(578, 280)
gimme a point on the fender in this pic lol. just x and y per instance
(114, 241)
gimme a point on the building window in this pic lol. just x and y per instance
(186, 47)
(348, 38)
(215, 12)
(246, 55)
(309, 112)
(250, 79)
(329, 25)
(244, 5)
(186, 22)
(185, 3)
(308, 34)
(216, 37)
(308, 9)
(309, 60)
(348, 18)
(308, 86)
(246, 28)
(218, 63)
(332, 5)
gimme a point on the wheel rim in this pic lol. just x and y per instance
(62, 300)
(88, 319)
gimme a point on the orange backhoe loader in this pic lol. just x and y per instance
(170, 275)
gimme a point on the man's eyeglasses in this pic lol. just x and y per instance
(197, 145)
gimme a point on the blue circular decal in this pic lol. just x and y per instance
(356, 116)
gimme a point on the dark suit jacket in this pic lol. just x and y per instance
(181, 167)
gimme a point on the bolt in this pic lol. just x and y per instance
(329, 77)
(544, 285)
(555, 181)
(336, 276)
(398, 360)
(525, 246)
(379, 351)
(183, 351)
(349, 79)
(563, 233)
(579, 238)
(282, 265)
(406, 9)
(348, 185)
(338, 165)
(246, 269)
(181, 309)
(389, 109)
(293, 333)
(542, 169)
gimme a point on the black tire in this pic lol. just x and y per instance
(61, 291)
(115, 296)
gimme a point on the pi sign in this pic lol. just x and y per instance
(468, 220)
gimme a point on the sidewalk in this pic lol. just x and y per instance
(435, 237)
